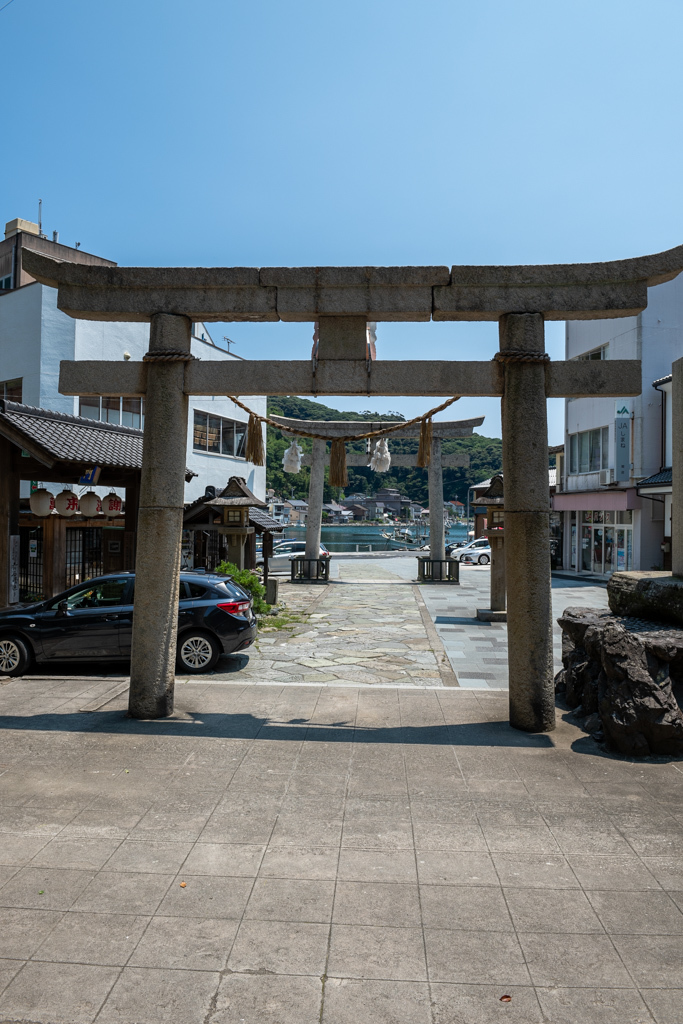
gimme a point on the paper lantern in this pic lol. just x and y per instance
(112, 504)
(66, 503)
(291, 460)
(42, 502)
(90, 504)
(381, 459)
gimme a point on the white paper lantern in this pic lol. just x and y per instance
(90, 504)
(291, 460)
(66, 503)
(381, 459)
(112, 505)
(42, 502)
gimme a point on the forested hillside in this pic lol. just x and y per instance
(485, 457)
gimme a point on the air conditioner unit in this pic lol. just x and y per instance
(606, 477)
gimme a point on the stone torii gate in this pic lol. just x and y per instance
(441, 430)
(343, 300)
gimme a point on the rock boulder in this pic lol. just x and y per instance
(622, 669)
(647, 595)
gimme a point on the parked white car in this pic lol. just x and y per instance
(478, 551)
(282, 555)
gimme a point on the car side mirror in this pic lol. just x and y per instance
(62, 608)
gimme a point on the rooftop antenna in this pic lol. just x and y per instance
(229, 342)
(40, 217)
(78, 245)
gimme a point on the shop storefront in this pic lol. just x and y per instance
(601, 541)
(600, 530)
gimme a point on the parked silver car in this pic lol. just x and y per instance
(282, 555)
(478, 550)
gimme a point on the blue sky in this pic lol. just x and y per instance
(309, 133)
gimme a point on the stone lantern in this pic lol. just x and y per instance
(493, 499)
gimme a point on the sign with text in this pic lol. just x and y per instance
(91, 476)
(622, 441)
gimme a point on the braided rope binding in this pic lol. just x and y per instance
(518, 355)
(168, 356)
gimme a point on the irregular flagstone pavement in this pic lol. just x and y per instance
(373, 626)
(365, 628)
(329, 855)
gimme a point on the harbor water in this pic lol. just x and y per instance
(368, 537)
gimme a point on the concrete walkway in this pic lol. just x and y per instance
(329, 855)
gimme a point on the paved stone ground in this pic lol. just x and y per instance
(329, 855)
(372, 626)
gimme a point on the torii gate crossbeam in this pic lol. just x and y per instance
(342, 300)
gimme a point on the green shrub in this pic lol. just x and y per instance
(250, 582)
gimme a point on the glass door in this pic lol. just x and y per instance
(586, 563)
(597, 548)
(609, 549)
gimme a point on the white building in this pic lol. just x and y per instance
(612, 446)
(35, 335)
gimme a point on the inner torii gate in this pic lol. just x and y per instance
(441, 430)
(343, 300)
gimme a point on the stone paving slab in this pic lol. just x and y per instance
(294, 854)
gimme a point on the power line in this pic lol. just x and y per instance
(6, 5)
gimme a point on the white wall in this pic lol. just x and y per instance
(20, 327)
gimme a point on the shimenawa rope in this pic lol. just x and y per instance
(338, 475)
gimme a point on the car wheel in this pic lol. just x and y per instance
(197, 652)
(15, 656)
(484, 559)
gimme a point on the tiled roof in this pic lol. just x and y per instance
(662, 380)
(65, 438)
(661, 479)
(74, 438)
(236, 494)
(261, 519)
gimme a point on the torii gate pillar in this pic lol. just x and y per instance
(437, 536)
(160, 521)
(316, 488)
(527, 526)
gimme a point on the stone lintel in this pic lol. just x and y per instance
(377, 293)
(561, 291)
(455, 461)
(558, 302)
(616, 378)
(340, 428)
(137, 293)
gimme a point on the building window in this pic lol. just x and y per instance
(5, 283)
(127, 412)
(595, 353)
(10, 390)
(589, 451)
(219, 436)
(234, 515)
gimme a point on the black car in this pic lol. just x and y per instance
(94, 622)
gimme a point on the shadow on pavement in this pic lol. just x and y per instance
(246, 726)
(227, 663)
